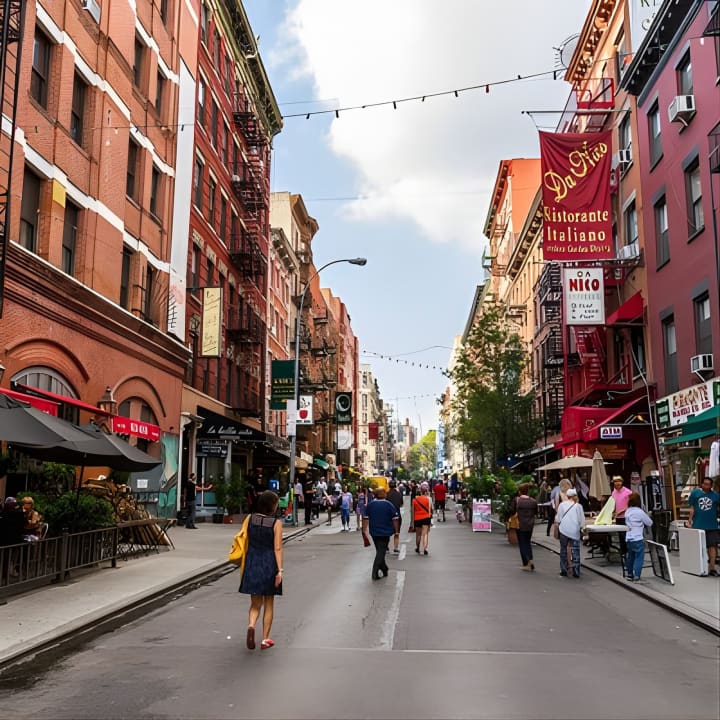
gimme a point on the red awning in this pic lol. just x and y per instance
(65, 400)
(630, 310)
(615, 417)
(47, 406)
(126, 426)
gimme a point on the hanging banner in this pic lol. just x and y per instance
(282, 383)
(481, 512)
(343, 408)
(642, 13)
(577, 215)
(584, 290)
(373, 431)
(211, 322)
(305, 410)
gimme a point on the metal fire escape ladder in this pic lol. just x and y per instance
(590, 348)
(11, 22)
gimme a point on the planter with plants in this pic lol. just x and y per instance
(231, 497)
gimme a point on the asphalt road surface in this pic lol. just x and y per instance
(461, 633)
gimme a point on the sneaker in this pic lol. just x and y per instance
(629, 578)
(714, 572)
(397, 552)
(636, 579)
(563, 574)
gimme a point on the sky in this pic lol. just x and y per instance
(407, 188)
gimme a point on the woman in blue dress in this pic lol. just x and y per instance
(262, 578)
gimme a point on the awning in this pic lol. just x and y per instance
(321, 463)
(630, 310)
(219, 426)
(301, 464)
(690, 436)
(47, 406)
(615, 417)
(138, 428)
(701, 425)
(64, 400)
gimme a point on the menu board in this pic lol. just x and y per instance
(660, 561)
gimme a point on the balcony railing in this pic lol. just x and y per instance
(245, 325)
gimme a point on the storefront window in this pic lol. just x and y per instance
(45, 378)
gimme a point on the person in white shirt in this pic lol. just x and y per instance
(636, 520)
(571, 522)
(299, 497)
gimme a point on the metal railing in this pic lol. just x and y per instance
(49, 560)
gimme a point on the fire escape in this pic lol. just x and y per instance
(11, 24)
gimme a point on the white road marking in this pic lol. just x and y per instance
(537, 653)
(387, 634)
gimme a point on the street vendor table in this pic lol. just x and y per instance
(610, 531)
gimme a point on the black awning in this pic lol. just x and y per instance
(218, 426)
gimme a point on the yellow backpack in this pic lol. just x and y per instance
(238, 549)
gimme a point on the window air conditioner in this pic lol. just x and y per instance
(93, 7)
(625, 156)
(627, 252)
(682, 108)
(235, 178)
(701, 363)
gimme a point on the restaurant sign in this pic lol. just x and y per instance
(584, 290)
(676, 409)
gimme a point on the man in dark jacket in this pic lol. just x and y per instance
(381, 519)
(396, 498)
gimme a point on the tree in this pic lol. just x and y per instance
(422, 456)
(495, 420)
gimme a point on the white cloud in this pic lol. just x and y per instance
(433, 163)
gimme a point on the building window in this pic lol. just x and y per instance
(164, 11)
(203, 23)
(198, 183)
(210, 272)
(228, 75)
(125, 278)
(139, 64)
(621, 57)
(78, 109)
(212, 192)
(693, 199)
(213, 123)
(654, 134)
(159, 92)
(155, 202)
(223, 218)
(69, 241)
(149, 291)
(133, 171)
(195, 269)
(40, 68)
(670, 352)
(662, 240)
(685, 76)
(625, 134)
(30, 211)
(703, 329)
(631, 224)
(216, 50)
(201, 104)
(224, 144)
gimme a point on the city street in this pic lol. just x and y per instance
(461, 633)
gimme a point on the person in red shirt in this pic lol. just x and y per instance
(440, 493)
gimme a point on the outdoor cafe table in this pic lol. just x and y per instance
(609, 530)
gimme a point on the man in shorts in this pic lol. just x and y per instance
(704, 503)
(440, 493)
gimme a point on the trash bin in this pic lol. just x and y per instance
(661, 526)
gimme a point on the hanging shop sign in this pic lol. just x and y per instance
(577, 215)
(219, 426)
(343, 408)
(675, 409)
(642, 13)
(305, 410)
(207, 448)
(211, 322)
(137, 428)
(282, 383)
(584, 296)
(611, 432)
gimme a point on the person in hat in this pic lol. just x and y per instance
(571, 523)
(381, 521)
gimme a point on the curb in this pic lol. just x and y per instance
(672, 607)
(124, 611)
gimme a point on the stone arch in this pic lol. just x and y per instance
(53, 355)
(138, 386)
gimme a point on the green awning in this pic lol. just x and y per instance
(690, 436)
(705, 423)
(321, 463)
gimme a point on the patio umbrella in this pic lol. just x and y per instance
(568, 462)
(599, 484)
(22, 424)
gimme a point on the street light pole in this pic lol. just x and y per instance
(296, 382)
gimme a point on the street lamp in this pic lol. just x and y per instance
(296, 384)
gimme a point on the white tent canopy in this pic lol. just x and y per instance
(568, 462)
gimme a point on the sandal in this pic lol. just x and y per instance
(266, 644)
(250, 639)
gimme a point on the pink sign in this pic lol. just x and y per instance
(481, 511)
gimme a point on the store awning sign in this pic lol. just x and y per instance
(577, 212)
(677, 408)
(219, 426)
(282, 383)
(211, 345)
(305, 410)
(611, 432)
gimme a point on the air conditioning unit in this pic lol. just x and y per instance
(701, 363)
(235, 178)
(628, 252)
(625, 156)
(93, 7)
(682, 108)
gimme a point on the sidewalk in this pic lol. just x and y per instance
(696, 598)
(48, 613)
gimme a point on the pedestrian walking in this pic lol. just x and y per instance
(526, 509)
(346, 503)
(262, 578)
(360, 504)
(440, 493)
(308, 496)
(621, 496)
(571, 522)
(190, 501)
(299, 501)
(703, 503)
(422, 518)
(552, 507)
(396, 498)
(381, 521)
(636, 520)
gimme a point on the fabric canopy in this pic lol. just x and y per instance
(569, 461)
(690, 436)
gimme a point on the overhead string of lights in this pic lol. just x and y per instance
(400, 361)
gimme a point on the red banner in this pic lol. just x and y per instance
(577, 215)
(126, 426)
(372, 431)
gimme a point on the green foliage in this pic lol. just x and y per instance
(422, 456)
(495, 420)
(232, 494)
(479, 487)
(58, 477)
(90, 513)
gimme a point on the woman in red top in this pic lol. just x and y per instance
(422, 517)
